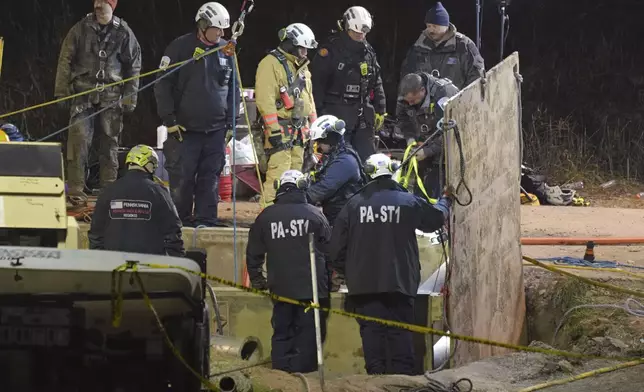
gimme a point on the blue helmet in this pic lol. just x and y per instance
(12, 132)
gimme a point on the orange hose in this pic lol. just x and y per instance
(581, 240)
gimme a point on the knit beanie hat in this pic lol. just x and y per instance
(437, 15)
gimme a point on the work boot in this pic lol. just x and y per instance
(76, 198)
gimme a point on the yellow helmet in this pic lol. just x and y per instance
(4, 137)
(143, 156)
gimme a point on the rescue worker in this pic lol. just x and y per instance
(98, 50)
(420, 106)
(340, 173)
(195, 103)
(383, 276)
(444, 52)
(136, 214)
(281, 235)
(284, 99)
(346, 74)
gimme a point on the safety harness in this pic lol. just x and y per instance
(295, 88)
(362, 90)
(103, 54)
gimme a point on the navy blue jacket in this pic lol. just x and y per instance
(199, 96)
(280, 234)
(374, 241)
(336, 181)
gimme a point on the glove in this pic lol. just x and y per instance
(275, 139)
(420, 155)
(176, 131)
(337, 280)
(128, 104)
(380, 121)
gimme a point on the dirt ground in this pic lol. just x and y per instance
(607, 331)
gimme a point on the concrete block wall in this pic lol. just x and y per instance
(218, 242)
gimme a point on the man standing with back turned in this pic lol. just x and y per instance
(98, 50)
(374, 246)
(280, 235)
(196, 105)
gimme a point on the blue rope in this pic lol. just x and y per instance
(577, 262)
(574, 261)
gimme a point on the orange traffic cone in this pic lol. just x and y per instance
(589, 255)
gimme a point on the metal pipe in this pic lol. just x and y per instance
(581, 240)
(316, 310)
(248, 349)
(227, 384)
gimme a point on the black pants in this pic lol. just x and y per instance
(387, 350)
(362, 140)
(293, 345)
(194, 166)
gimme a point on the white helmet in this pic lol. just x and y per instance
(300, 35)
(378, 165)
(358, 19)
(294, 177)
(215, 14)
(325, 124)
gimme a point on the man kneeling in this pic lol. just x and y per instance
(135, 214)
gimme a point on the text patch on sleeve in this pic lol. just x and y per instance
(131, 210)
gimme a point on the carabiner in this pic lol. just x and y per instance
(238, 29)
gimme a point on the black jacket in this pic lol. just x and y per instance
(340, 176)
(135, 214)
(200, 95)
(280, 233)
(340, 87)
(374, 239)
(419, 121)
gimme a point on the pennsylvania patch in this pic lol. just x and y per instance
(130, 210)
(323, 52)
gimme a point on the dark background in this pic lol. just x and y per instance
(582, 62)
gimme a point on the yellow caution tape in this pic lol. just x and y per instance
(610, 270)
(583, 375)
(390, 323)
(606, 286)
(117, 302)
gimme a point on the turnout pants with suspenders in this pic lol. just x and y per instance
(275, 158)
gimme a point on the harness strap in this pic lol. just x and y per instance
(413, 166)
